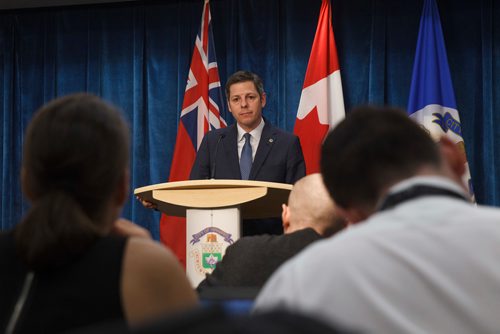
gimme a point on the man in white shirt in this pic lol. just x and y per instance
(422, 259)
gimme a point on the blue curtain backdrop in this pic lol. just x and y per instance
(137, 56)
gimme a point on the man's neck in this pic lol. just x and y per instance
(434, 181)
(427, 175)
(242, 129)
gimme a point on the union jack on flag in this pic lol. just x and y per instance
(201, 112)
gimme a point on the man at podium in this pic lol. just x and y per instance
(251, 149)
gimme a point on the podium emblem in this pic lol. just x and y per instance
(211, 252)
(207, 248)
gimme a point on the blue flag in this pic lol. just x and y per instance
(432, 100)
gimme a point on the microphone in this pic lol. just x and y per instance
(212, 174)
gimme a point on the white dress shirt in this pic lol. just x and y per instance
(255, 135)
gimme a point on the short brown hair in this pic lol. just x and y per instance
(244, 76)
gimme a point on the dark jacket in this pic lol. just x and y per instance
(278, 158)
(250, 261)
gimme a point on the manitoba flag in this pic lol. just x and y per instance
(201, 112)
(321, 104)
(432, 99)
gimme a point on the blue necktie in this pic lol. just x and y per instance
(246, 158)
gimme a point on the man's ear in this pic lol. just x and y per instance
(263, 99)
(285, 217)
(122, 188)
(452, 157)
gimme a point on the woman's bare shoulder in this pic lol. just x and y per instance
(153, 282)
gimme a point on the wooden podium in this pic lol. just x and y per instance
(213, 211)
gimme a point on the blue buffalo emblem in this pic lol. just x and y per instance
(447, 122)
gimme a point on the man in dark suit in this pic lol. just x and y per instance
(250, 261)
(251, 149)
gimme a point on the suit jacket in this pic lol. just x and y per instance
(250, 261)
(278, 158)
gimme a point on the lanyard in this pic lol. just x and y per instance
(415, 192)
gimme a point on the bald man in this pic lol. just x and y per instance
(310, 215)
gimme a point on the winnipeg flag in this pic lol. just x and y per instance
(432, 99)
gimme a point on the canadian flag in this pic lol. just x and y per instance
(321, 104)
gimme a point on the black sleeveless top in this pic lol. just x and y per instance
(84, 292)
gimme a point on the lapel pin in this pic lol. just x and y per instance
(271, 140)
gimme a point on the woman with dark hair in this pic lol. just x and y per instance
(70, 262)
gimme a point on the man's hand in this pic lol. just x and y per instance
(126, 228)
(146, 204)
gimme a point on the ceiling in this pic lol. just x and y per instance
(13, 4)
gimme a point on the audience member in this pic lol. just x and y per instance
(70, 262)
(250, 261)
(423, 259)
